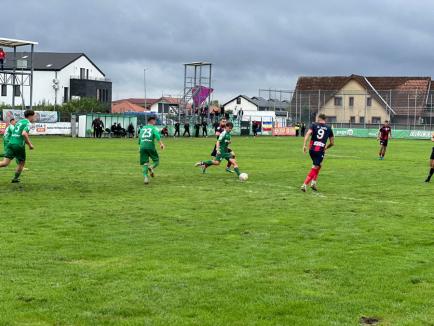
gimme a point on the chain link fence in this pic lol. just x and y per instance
(409, 109)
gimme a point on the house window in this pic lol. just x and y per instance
(65, 94)
(98, 94)
(82, 73)
(351, 101)
(87, 73)
(362, 120)
(376, 120)
(338, 101)
(369, 101)
(331, 119)
(352, 119)
(4, 90)
(17, 91)
(239, 100)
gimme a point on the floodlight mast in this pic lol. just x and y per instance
(10, 74)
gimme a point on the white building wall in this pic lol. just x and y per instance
(43, 90)
(245, 105)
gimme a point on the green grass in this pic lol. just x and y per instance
(84, 242)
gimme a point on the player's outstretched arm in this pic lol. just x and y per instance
(27, 140)
(162, 146)
(306, 139)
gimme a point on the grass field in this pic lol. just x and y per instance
(84, 242)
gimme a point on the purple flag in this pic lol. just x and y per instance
(200, 94)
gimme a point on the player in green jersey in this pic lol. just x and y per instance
(222, 150)
(16, 147)
(7, 135)
(147, 135)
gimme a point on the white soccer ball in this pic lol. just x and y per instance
(244, 176)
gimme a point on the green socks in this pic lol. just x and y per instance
(156, 163)
(145, 170)
(207, 163)
(237, 171)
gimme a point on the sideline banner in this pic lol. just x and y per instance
(284, 131)
(41, 116)
(58, 128)
(3, 126)
(398, 134)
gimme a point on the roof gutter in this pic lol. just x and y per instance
(378, 94)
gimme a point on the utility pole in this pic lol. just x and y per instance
(144, 84)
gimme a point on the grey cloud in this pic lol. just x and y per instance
(252, 44)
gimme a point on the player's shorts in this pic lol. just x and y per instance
(317, 157)
(432, 154)
(15, 151)
(384, 142)
(223, 156)
(214, 152)
(146, 153)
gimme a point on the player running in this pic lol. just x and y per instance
(147, 135)
(384, 134)
(222, 151)
(319, 133)
(218, 130)
(16, 147)
(7, 135)
(431, 171)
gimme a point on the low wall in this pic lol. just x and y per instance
(399, 134)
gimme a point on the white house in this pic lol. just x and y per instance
(57, 78)
(240, 102)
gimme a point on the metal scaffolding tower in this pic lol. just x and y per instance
(196, 74)
(18, 71)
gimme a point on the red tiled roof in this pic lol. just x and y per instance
(395, 91)
(126, 106)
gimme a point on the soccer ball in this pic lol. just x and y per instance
(244, 176)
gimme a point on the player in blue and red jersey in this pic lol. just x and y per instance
(384, 134)
(319, 134)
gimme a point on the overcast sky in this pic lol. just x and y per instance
(252, 44)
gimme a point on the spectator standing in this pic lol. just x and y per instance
(303, 129)
(204, 128)
(255, 128)
(196, 129)
(95, 125)
(187, 129)
(130, 130)
(2, 58)
(177, 126)
(99, 128)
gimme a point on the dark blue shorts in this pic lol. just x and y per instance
(317, 157)
(384, 142)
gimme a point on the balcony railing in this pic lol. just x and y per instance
(91, 78)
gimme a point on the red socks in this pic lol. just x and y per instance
(316, 173)
(313, 175)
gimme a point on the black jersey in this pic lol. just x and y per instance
(320, 134)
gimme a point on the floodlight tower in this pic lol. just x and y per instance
(196, 76)
(18, 70)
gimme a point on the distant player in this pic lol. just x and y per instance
(431, 162)
(319, 133)
(147, 135)
(16, 147)
(222, 151)
(384, 134)
(7, 135)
